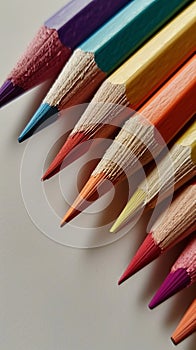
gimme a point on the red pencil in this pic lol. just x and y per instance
(170, 228)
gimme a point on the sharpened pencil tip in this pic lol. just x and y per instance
(146, 253)
(121, 280)
(186, 326)
(114, 227)
(44, 177)
(62, 223)
(8, 92)
(173, 341)
(173, 283)
(44, 112)
(69, 145)
(70, 215)
(84, 198)
(20, 139)
(136, 203)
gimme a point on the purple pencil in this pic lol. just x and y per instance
(182, 275)
(54, 43)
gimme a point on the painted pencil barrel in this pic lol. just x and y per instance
(54, 43)
(103, 114)
(101, 54)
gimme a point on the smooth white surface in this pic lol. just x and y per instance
(53, 296)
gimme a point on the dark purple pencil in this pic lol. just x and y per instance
(54, 43)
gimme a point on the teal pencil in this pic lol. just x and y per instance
(101, 54)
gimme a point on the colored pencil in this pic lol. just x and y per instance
(165, 113)
(54, 43)
(187, 325)
(182, 275)
(131, 84)
(175, 169)
(170, 228)
(103, 52)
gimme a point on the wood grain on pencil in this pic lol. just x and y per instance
(182, 274)
(134, 82)
(54, 43)
(174, 170)
(140, 138)
(187, 325)
(171, 227)
(104, 51)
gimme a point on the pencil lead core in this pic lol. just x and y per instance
(146, 253)
(69, 146)
(136, 203)
(44, 112)
(173, 283)
(85, 197)
(8, 92)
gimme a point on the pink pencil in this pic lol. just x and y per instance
(182, 275)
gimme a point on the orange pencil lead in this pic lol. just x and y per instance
(85, 197)
(71, 214)
(187, 325)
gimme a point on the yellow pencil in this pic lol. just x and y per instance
(175, 169)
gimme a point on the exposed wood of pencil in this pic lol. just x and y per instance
(104, 51)
(54, 43)
(171, 227)
(187, 325)
(144, 135)
(175, 169)
(84, 63)
(139, 76)
(182, 275)
(137, 142)
(132, 83)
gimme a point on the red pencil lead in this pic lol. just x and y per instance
(147, 252)
(69, 145)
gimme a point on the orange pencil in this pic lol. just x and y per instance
(139, 139)
(187, 325)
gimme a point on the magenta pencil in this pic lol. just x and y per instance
(182, 275)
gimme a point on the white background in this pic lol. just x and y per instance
(53, 296)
